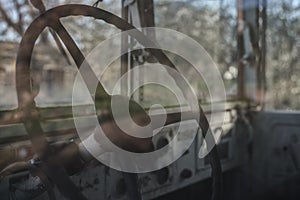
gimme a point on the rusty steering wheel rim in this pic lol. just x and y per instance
(26, 103)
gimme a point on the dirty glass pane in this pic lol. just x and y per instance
(211, 23)
(283, 60)
(52, 73)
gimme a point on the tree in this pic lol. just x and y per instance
(15, 17)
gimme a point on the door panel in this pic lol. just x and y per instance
(276, 149)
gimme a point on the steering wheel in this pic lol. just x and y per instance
(25, 93)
